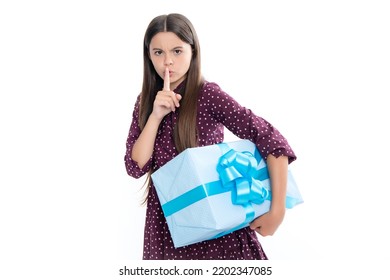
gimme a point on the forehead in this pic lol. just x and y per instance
(166, 40)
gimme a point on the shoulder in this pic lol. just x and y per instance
(211, 90)
(136, 105)
(210, 87)
(214, 98)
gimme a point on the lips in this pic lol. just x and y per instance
(170, 72)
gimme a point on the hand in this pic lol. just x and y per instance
(166, 101)
(268, 223)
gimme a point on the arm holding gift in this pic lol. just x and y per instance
(271, 144)
(268, 223)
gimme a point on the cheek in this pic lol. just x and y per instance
(154, 62)
(186, 61)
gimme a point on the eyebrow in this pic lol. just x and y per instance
(158, 49)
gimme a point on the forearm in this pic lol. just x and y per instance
(278, 171)
(143, 147)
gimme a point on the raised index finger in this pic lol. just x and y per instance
(167, 81)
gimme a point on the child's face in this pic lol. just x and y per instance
(167, 50)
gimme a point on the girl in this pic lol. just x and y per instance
(178, 109)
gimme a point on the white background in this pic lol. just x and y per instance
(69, 75)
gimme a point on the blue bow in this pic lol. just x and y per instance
(237, 172)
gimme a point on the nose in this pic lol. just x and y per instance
(168, 60)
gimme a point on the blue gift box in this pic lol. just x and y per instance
(207, 192)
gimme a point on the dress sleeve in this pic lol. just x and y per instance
(245, 124)
(132, 167)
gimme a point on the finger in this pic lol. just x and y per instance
(177, 99)
(254, 227)
(259, 231)
(165, 100)
(167, 81)
(255, 224)
(169, 104)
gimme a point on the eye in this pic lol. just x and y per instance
(158, 53)
(177, 51)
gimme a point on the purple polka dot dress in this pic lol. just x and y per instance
(216, 109)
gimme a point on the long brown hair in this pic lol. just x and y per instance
(185, 132)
